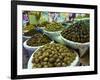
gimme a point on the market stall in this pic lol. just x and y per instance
(55, 39)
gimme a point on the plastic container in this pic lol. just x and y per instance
(76, 45)
(81, 46)
(26, 38)
(74, 63)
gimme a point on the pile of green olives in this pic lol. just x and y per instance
(77, 32)
(28, 27)
(31, 32)
(43, 24)
(38, 40)
(53, 55)
(54, 26)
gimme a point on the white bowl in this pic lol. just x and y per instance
(74, 63)
(81, 46)
(26, 37)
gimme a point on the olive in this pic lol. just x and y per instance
(36, 60)
(64, 64)
(46, 54)
(40, 57)
(51, 60)
(55, 56)
(60, 50)
(50, 65)
(60, 57)
(52, 52)
(45, 63)
(58, 60)
(46, 59)
(58, 64)
(66, 59)
(57, 48)
(45, 66)
(63, 55)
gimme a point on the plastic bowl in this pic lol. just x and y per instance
(81, 46)
(26, 38)
(74, 63)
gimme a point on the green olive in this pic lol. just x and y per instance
(45, 66)
(51, 60)
(36, 60)
(55, 56)
(64, 64)
(58, 60)
(58, 64)
(46, 59)
(40, 57)
(50, 65)
(60, 57)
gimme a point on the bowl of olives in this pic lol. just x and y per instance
(27, 28)
(36, 41)
(41, 26)
(53, 55)
(53, 30)
(77, 35)
(29, 34)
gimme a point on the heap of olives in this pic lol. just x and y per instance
(31, 32)
(43, 24)
(77, 32)
(38, 40)
(53, 55)
(54, 26)
(28, 27)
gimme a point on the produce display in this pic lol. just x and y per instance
(53, 55)
(28, 27)
(55, 39)
(54, 26)
(31, 32)
(38, 40)
(77, 32)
